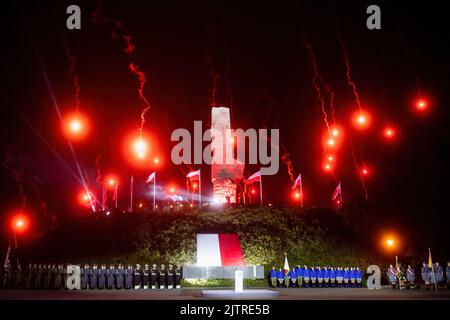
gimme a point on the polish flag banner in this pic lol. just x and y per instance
(193, 174)
(256, 177)
(219, 250)
(286, 265)
(151, 177)
(297, 182)
(337, 192)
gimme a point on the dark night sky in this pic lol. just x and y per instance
(270, 77)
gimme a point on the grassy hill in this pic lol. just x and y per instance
(311, 237)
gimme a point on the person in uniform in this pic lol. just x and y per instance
(153, 276)
(359, 277)
(47, 276)
(346, 277)
(119, 274)
(320, 276)
(145, 277)
(27, 276)
(339, 276)
(293, 277)
(178, 276)
(102, 277)
(392, 276)
(410, 276)
(85, 276)
(280, 277)
(170, 277)
(137, 277)
(447, 271)
(55, 278)
(332, 273)
(306, 276)
(38, 271)
(273, 277)
(286, 278)
(300, 274)
(439, 273)
(162, 277)
(109, 274)
(2, 277)
(18, 277)
(426, 274)
(353, 277)
(326, 276)
(128, 274)
(93, 276)
(313, 277)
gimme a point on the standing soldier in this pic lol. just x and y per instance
(85, 276)
(93, 274)
(137, 277)
(18, 277)
(273, 277)
(346, 277)
(359, 277)
(439, 273)
(47, 276)
(410, 276)
(153, 276)
(28, 276)
(293, 276)
(353, 277)
(326, 277)
(313, 274)
(128, 277)
(286, 278)
(109, 274)
(170, 277)
(300, 274)
(2, 277)
(178, 275)
(162, 277)
(425, 272)
(280, 277)
(101, 282)
(145, 277)
(55, 278)
(392, 276)
(119, 274)
(37, 277)
(306, 276)
(332, 272)
(339, 276)
(448, 274)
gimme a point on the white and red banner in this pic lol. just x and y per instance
(337, 193)
(297, 182)
(219, 250)
(151, 177)
(193, 174)
(256, 177)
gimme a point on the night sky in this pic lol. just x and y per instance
(258, 49)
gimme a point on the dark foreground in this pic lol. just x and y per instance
(198, 294)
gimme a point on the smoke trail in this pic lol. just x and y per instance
(316, 84)
(117, 33)
(98, 167)
(330, 91)
(72, 74)
(350, 81)
(286, 160)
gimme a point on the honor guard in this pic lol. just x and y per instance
(47, 276)
(137, 277)
(119, 275)
(320, 276)
(37, 276)
(128, 277)
(2, 277)
(439, 273)
(93, 276)
(359, 276)
(346, 277)
(28, 273)
(447, 271)
(162, 277)
(353, 277)
(170, 277)
(7, 276)
(280, 277)
(326, 277)
(101, 274)
(425, 273)
(153, 276)
(306, 276)
(293, 277)
(178, 275)
(313, 276)
(84, 276)
(145, 277)
(273, 277)
(391, 273)
(300, 273)
(286, 278)
(332, 273)
(56, 283)
(18, 277)
(339, 276)
(410, 276)
(110, 277)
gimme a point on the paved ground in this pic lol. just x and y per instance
(196, 294)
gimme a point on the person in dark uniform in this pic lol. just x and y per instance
(320, 276)
(153, 276)
(145, 277)
(178, 276)
(37, 277)
(101, 277)
(54, 277)
(109, 274)
(280, 278)
(137, 277)
(359, 277)
(18, 277)
(332, 277)
(119, 276)
(170, 277)
(85, 276)
(410, 276)
(162, 277)
(128, 277)
(426, 274)
(28, 273)
(447, 271)
(93, 274)
(2, 277)
(306, 276)
(273, 277)
(47, 276)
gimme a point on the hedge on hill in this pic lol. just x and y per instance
(311, 237)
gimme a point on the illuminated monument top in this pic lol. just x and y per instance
(224, 176)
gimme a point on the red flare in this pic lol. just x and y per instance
(19, 223)
(361, 119)
(75, 126)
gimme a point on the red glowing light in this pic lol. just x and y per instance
(331, 142)
(75, 126)
(327, 167)
(156, 160)
(19, 223)
(172, 189)
(85, 198)
(194, 186)
(330, 158)
(111, 181)
(140, 148)
(389, 133)
(297, 195)
(421, 104)
(364, 172)
(361, 119)
(253, 191)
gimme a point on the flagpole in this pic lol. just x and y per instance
(260, 188)
(199, 187)
(131, 193)
(301, 191)
(117, 192)
(432, 268)
(154, 191)
(103, 196)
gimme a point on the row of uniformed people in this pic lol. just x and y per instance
(305, 277)
(130, 278)
(435, 274)
(34, 276)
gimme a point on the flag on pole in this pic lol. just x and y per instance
(7, 261)
(337, 193)
(151, 177)
(430, 260)
(115, 195)
(297, 182)
(193, 174)
(286, 264)
(254, 177)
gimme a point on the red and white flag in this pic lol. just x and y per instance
(193, 174)
(337, 193)
(151, 177)
(286, 265)
(218, 250)
(256, 177)
(297, 182)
